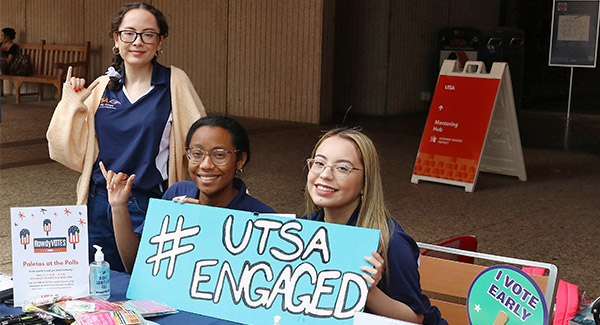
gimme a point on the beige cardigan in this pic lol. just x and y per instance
(72, 136)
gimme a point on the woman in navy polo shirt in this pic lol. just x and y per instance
(134, 119)
(344, 186)
(218, 148)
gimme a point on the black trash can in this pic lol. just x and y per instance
(504, 44)
(458, 43)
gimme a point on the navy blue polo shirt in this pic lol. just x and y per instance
(133, 137)
(404, 280)
(242, 201)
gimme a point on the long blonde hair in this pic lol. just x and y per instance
(373, 210)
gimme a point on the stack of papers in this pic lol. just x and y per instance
(6, 286)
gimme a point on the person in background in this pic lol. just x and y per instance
(134, 119)
(8, 49)
(344, 186)
(218, 148)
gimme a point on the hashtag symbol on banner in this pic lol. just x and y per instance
(174, 237)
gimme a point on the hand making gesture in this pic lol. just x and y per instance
(118, 186)
(78, 84)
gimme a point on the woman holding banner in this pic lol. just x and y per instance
(344, 186)
(217, 149)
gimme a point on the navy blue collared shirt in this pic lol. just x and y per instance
(242, 201)
(133, 137)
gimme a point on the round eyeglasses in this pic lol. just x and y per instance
(219, 157)
(340, 170)
(129, 36)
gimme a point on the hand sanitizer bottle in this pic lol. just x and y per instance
(99, 276)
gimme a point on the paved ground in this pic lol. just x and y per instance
(552, 217)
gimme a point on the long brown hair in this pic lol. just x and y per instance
(373, 210)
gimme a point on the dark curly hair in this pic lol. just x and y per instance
(9, 32)
(163, 27)
(239, 137)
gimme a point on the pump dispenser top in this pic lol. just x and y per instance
(99, 275)
(99, 256)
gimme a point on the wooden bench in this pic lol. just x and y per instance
(447, 282)
(50, 63)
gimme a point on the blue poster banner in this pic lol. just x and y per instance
(248, 267)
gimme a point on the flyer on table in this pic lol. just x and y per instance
(49, 252)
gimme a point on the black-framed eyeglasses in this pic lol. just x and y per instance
(219, 157)
(339, 170)
(129, 36)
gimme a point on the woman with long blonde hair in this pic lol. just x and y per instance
(344, 186)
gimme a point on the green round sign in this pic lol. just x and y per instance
(504, 288)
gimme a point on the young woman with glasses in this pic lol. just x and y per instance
(344, 186)
(217, 150)
(132, 119)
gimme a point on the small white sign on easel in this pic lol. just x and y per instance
(49, 252)
(502, 152)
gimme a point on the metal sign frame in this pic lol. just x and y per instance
(574, 33)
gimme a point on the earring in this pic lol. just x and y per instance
(115, 50)
(239, 172)
(158, 53)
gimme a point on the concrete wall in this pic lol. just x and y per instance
(386, 51)
(293, 60)
(260, 58)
